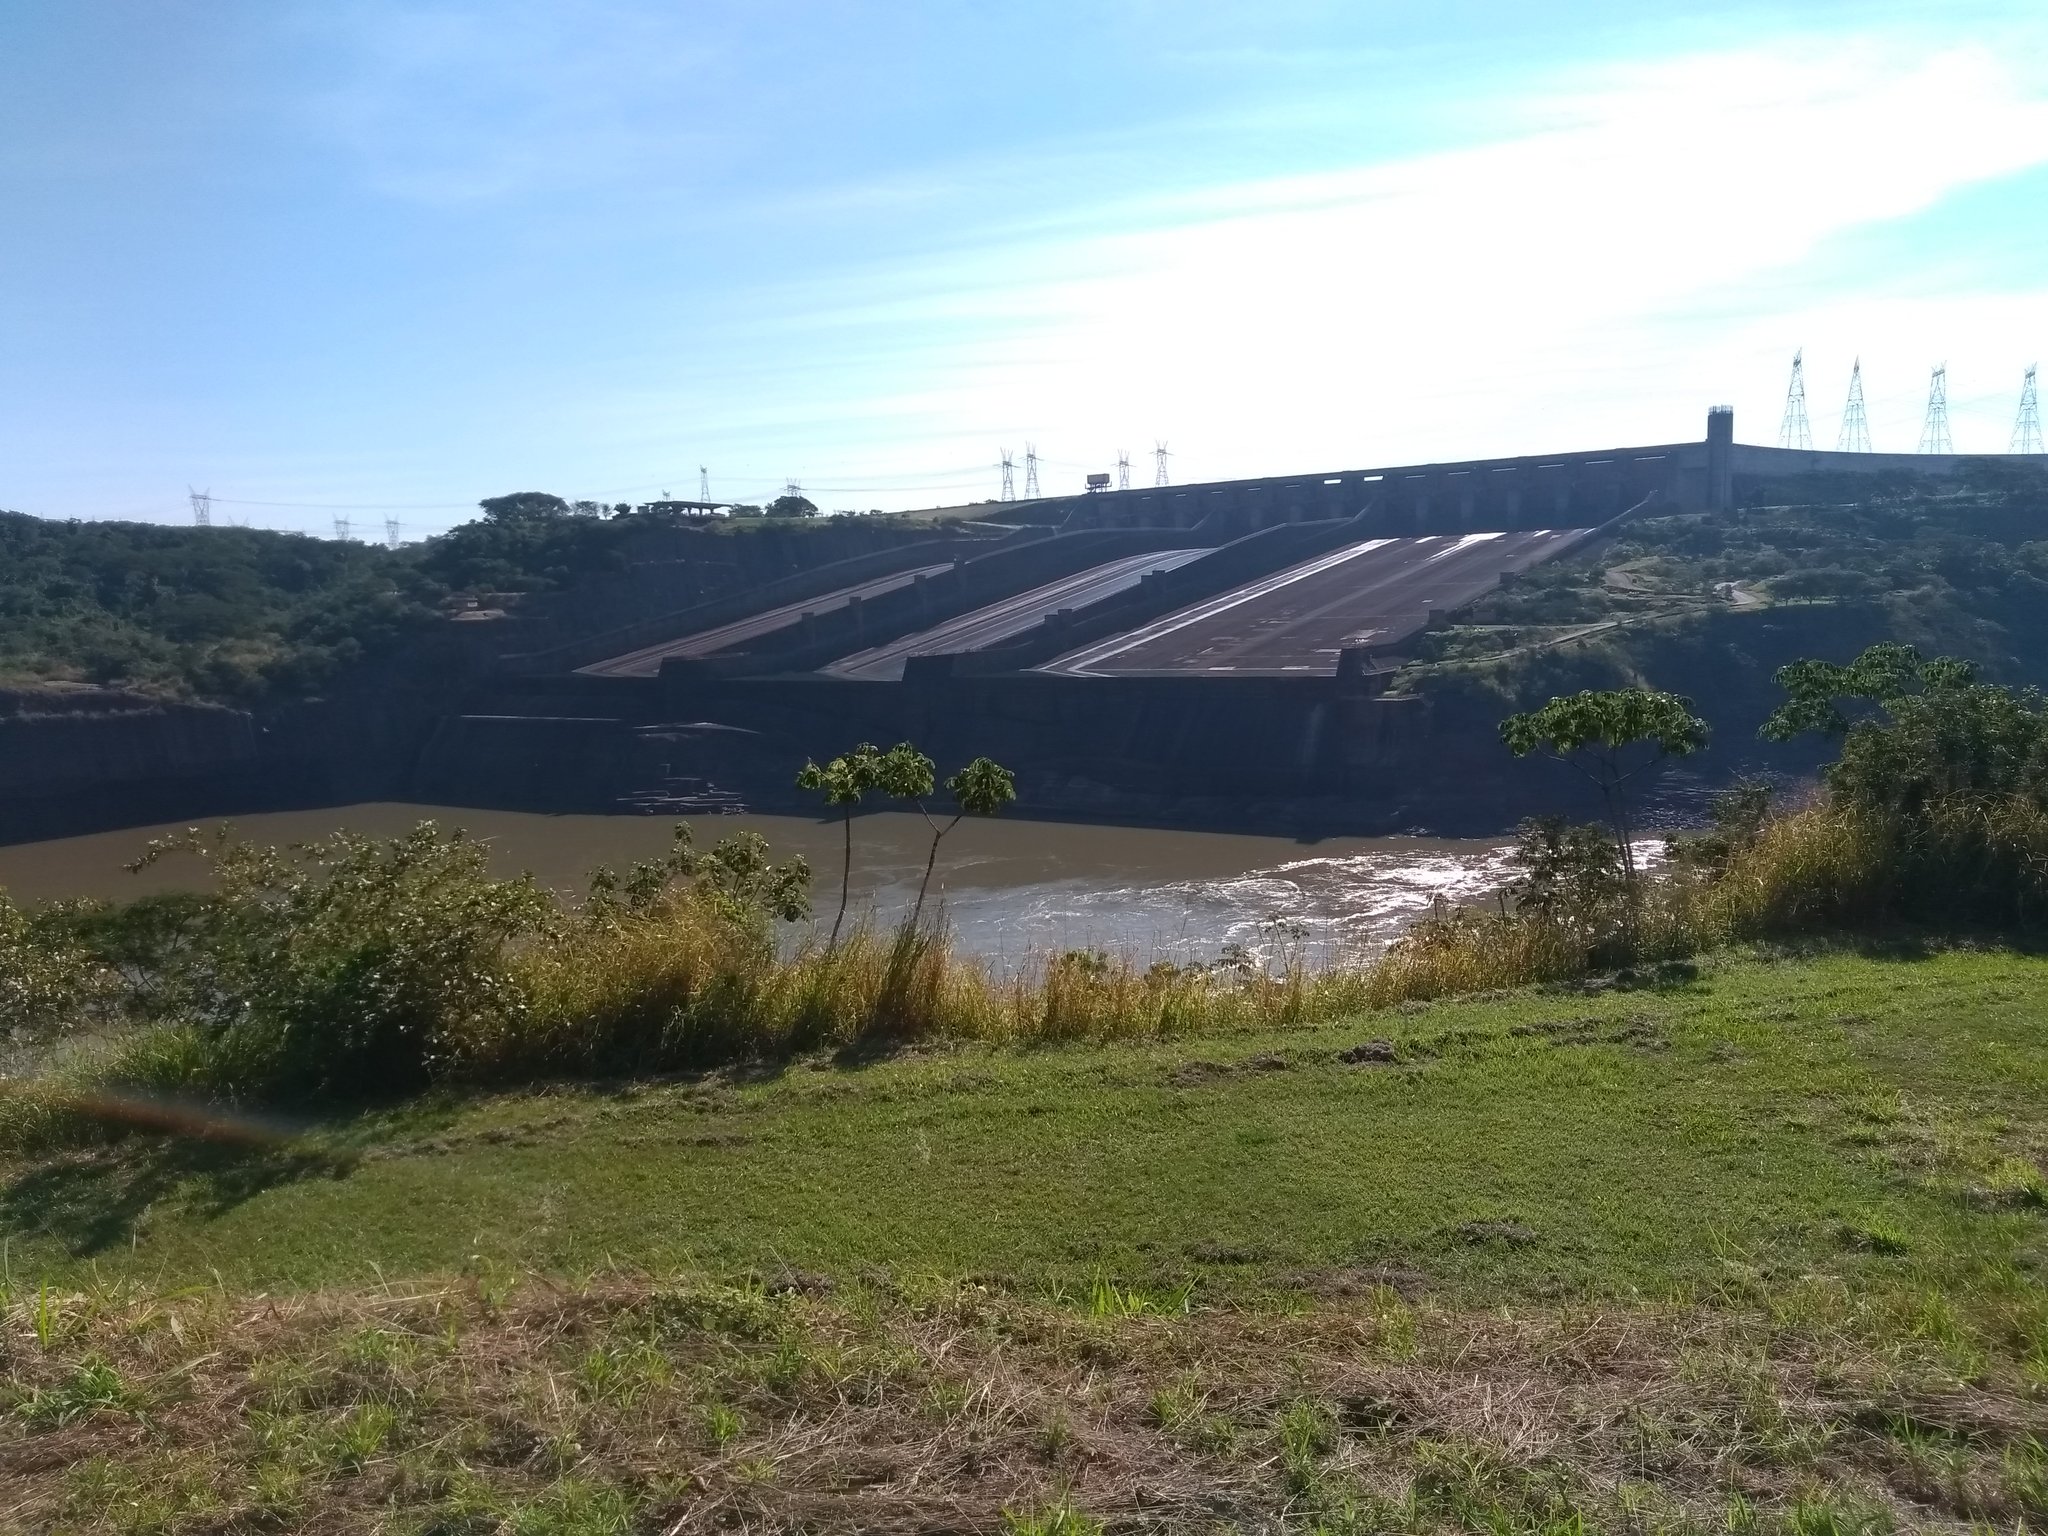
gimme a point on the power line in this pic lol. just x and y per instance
(1123, 470)
(1793, 431)
(1934, 436)
(1009, 477)
(353, 506)
(202, 506)
(1030, 472)
(1855, 435)
(1159, 457)
(2026, 432)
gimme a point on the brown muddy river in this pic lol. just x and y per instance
(1011, 888)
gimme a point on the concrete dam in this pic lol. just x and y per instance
(1211, 654)
(1204, 655)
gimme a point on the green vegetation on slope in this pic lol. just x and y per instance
(1759, 1250)
(1601, 1143)
(231, 613)
(1959, 568)
(244, 615)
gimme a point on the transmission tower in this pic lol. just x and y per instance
(341, 528)
(1934, 436)
(1159, 457)
(1794, 432)
(2026, 432)
(391, 533)
(202, 505)
(1009, 477)
(703, 483)
(1855, 435)
(1030, 472)
(1123, 470)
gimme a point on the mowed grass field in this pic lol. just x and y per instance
(1554, 1143)
(1760, 1247)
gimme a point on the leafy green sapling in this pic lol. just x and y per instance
(1610, 737)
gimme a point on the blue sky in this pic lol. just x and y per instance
(382, 259)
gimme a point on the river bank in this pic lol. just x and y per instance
(1011, 888)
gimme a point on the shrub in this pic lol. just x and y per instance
(346, 967)
(49, 984)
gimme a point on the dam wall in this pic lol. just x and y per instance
(613, 639)
(826, 636)
(666, 568)
(1245, 558)
(1513, 494)
(456, 721)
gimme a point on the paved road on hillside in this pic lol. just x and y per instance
(1295, 621)
(1004, 620)
(646, 662)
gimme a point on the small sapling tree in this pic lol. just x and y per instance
(1610, 737)
(844, 781)
(982, 788)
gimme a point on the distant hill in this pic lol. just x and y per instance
(243, 615)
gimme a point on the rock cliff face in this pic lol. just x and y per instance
(78, 760)
(53, 741)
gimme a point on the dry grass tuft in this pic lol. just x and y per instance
(627, 1405)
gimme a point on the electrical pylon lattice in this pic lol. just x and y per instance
(391, 532)
(1030, 472)
(2026, 432)
(1794, 431)
(202, 508)
(1123, 470)
(1855, 434)
(1009, 477)
(1934, 436)
(1159, 457)
(703, 484)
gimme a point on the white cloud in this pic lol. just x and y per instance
(1646, 245)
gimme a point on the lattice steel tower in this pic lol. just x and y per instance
(341, 528)
(1855, 434)
(1934, 436)
(1159, 456)
(1123, 470)
(391, 532)
(202, 508)
(1009, 477)
(1030, 472)
(1793, 431)
(703, 484)
(2026, 432)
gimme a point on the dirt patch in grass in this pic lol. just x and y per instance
(775, 1405)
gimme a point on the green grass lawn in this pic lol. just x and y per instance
(1838, 1113)
(1758, 1251)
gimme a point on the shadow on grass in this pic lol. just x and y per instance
(1902, 943)
(92, 1202)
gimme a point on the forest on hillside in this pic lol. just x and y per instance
(1820, 565)
(245, 615)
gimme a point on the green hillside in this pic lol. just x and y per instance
(1760, 1250)
(244, 615)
